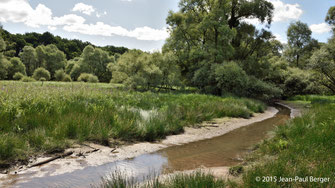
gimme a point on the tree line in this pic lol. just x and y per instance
(211, 47)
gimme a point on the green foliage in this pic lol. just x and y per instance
(60, 75)
(95, 61)
(314, 98)
(323, 62)
(29, 59)
(75, 71)
(27, 79)
(71, 48)
(230, 78)
(67, 78)
(15, 66)
(18, 76)
(51, 58)
(46, 117)
(196, 179)
(296, 82)
(4, 64)
(299, 37)
(303, 148)
(137, 69)
(330, 17)
(85, 77)
(40, 73)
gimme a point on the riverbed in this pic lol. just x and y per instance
(206, 147)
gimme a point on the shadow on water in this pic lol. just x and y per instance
(224, 150)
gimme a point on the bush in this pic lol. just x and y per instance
(67, 78)
(85, 77)
(18, 76)
(231, 78)
(60, 75)
(41, 73)
(27, 79)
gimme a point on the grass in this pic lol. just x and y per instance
(197, 179)
(314, 98)
(49, 117)
(304, 147)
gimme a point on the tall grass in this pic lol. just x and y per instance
(50, 117)
(197, 179)
(304, 147)
(314, 98)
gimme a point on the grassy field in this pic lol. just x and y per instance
(49, 117)
(305, 147)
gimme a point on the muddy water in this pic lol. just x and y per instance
(224, 150)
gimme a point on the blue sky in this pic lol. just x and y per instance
(136, 23)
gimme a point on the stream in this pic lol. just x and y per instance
(225, 150)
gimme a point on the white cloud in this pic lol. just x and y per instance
(285, 12)
(68, 19)
(14, 10)
(253, 21)
(280, 38)
(20, 11)
(83, 8)
(42, 15)
(98, 15)
(282, 12)
(102, 29)
(320, 28)
(52, 28)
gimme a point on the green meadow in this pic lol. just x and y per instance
(49, 117)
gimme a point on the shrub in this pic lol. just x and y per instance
(60, 75)
(27, 79)
(41, 73)
(67, 78)
(85, 77)
(18, 76)
(93, 79)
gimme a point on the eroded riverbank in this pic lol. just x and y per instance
(101, 161)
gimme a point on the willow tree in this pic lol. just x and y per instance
(95, 61)
(204, 32)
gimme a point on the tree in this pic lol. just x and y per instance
(242, 9)
(323, 61)
(51, 58)
(16, 66)
(330, 17)
(207, 32)
(299, 37)
(4, 64)
(136, 68)
(95, 61)
(41, 74)
(29, 59)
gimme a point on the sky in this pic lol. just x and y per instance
(137, 24)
